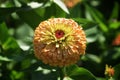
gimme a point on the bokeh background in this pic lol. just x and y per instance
(18, 19)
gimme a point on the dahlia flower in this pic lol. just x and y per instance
(59, 42)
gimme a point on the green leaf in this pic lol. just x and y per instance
(67, 78)
(24, 36)
(117, 72)
(4, 12)
(8, 43)
(30, 17)
(82, 20)
(61, 5)
(85, 23)
(5, 38)
(76, 11)
(114, 25)
(78, 73)
(91, 34)
(115, 11)
(53, 10)
(101, 78)
(26, 13)
(3, 33)
(4, 59)
(16, 75)
(93, 58)
(98, 17)
(38, 75)
(41, 71)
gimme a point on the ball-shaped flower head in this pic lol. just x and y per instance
(59, 42)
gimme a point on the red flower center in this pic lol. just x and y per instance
(59, 34)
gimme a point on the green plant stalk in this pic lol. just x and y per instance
(109, 78)
(62, 72)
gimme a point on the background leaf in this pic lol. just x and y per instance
(4, 12)
(77, 73)
(115, 11)
(117, 72)
(61, 5)
(98, 17)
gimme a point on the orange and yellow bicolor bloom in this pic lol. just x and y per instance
(59, 42)
(109, 71)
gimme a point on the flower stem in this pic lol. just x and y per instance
(62, 72)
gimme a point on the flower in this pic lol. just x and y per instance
(59, 42)
(71, 3)
(109, 71)
(116, 41)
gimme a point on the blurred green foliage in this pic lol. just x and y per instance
(18, 19)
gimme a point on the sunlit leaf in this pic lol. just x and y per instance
(16, 75)
(115, 25)
(78, 73)
(24, 35)
(91, 34)
(93, 58)
(35, 4)
(4, 59)
(52, 11)
(67, 78)
(61, 5)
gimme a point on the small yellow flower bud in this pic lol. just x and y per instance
(109, 71)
